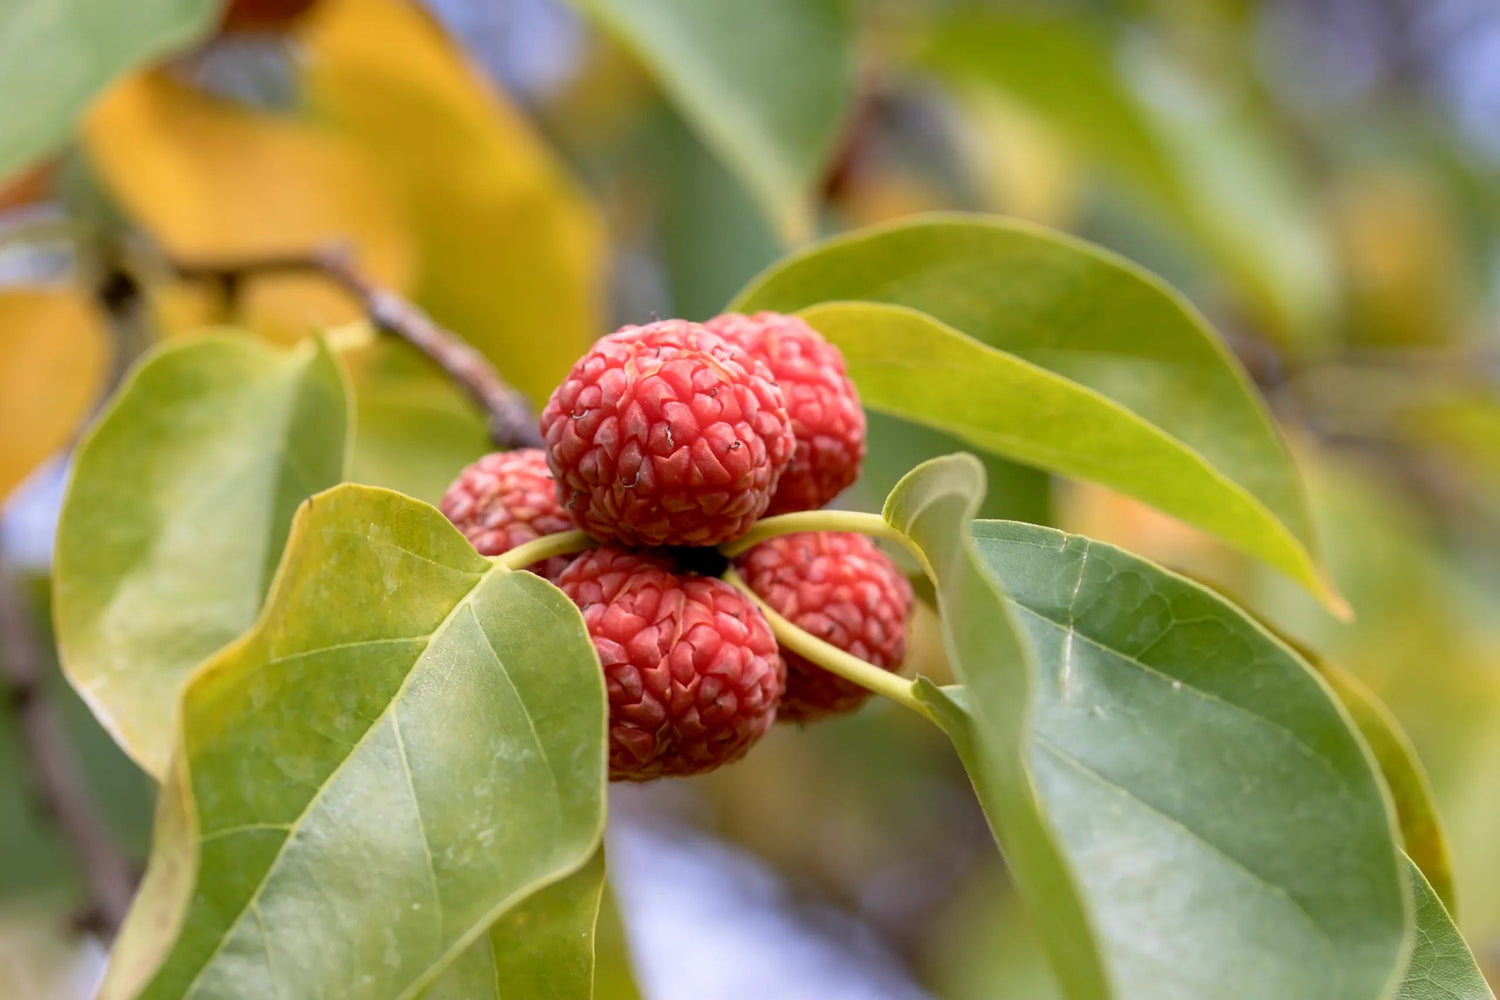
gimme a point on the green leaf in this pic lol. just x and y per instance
(712, 231)
(766, 84)
(181, 497)
(933, 506)
(1206, 163)
(914, 367)
(1441, 966)
(1202, 818)
(60, 53)
(542, 949)
(408, 744)
(1416, 807)
(414, 429)
(1080, 313)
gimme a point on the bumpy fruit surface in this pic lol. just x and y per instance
(824, 406)
(666, 434)
(690, 664)
(845, 591)
(506, 499)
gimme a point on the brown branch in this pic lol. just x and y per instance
(56, 777)
(510, 419)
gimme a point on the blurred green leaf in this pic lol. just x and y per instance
(614, 975)
(181, 497)
(896, 446)
(541, 949)
(413, 429)
(407, 745)
(1416, 810)
(36, 858)
(1191, 799)
(712, 232)
(1207, 164)
(987, 948)
(60, 53)
(1441, 966)
(1057, 304)
(768, 85)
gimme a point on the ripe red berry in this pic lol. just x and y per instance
(845, 591)
(666, 434)
(505, 499)
(689, 663)
(824, 406)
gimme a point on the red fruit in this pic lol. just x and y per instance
(821, 400)
(666, 434)
(689, 663)
(505, 499)
(845, 591)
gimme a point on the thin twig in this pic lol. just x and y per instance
(510, 419)
(57, 779)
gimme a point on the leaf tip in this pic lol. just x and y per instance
(1329, 596)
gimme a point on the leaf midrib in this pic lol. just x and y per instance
(254, 899)
(1281, 892)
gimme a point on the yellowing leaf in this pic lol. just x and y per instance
(53, 357)
(180, 501)
(212, 180)
(510, 251)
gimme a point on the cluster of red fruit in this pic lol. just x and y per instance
(664, 441)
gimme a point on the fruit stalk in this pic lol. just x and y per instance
(858, 522)
(833, 659)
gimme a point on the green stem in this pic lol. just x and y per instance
(851, 668)
(854, 521)
(563, 543)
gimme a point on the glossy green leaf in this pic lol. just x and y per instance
(181, 497)
(1205, 163)
(60, 53)
(407, 745)
(543, 949)
(767, 84)
(1441, 966)
(909, 365)
(1084, 315)
(1416, 808)
(1204, 814)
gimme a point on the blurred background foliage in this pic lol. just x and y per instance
(1319, 178)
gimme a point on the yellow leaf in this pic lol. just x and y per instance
(215, 181)
(510, 250)
(53, 356)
